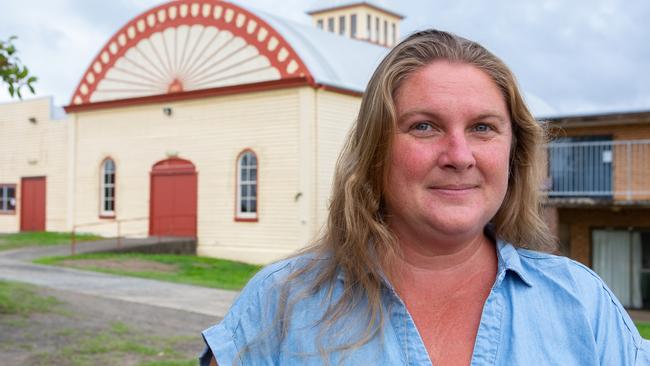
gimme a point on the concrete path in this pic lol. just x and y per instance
(15, 266)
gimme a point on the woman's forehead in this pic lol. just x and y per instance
(442, 88)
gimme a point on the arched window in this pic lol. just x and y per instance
(107, 189)
(246, 186)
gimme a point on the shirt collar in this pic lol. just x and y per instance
(508, 258)
(510, 261)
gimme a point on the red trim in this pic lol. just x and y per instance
(15, 187)
(257, 183)
(101, 204)
(360, 3)
(250, 219)
(151, 196)
(193, 94)
(220, 23)
(173, 166)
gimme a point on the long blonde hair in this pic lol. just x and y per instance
(356, 241)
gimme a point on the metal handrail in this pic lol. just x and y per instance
(614, 169)
(118, 223)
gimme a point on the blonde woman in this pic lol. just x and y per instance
(434, 250)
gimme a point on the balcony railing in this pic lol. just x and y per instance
(615, 170)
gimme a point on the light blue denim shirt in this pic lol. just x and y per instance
(542, 310)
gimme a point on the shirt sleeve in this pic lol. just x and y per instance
(220, 343)
(617, 339)
(643, 354)
(244, 335)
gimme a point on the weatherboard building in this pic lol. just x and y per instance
(197, 118)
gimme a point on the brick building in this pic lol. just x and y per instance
(599, 197)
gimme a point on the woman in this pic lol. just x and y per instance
(434, 247)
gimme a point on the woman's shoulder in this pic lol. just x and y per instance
(252, 316)
(278, 272)
(266, 287)
(564, 271)
(582, 290)
(565, 274)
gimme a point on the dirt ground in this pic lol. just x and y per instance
(87, 330)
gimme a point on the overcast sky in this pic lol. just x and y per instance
(577, 56)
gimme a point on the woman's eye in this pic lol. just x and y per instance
(422, 126)
(482, 127)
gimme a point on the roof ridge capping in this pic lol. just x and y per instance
(336, 5)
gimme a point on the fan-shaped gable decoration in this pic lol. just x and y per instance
(188, 45)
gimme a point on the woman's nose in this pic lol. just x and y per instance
(457, 153)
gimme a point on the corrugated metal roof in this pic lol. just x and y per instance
(332, 59)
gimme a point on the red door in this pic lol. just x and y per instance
(173, 198)
(32, 204)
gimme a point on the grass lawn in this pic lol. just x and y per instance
(83, 344)
(21, 299)
(110, 345)
(202, 271)
(644, 329)
(40, 238)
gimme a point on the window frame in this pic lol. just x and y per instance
(377, 34)
(369, 26)
(104, 214)
(385, 32)
(241, 216)
(4, 192)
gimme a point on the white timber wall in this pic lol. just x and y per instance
(34, 150)
(336, 114)
(210, 133)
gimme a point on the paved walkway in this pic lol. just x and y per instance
(15, 265)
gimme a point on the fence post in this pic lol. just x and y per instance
(119, 233)
(74, 241)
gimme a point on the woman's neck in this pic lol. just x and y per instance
(439, 255)
(420, 263)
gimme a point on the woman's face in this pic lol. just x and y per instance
(450, 154)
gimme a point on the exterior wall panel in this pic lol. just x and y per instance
(581, 221)
(210, 133)
(34, 149)
(336, 115)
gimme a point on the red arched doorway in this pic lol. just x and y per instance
(172, 204)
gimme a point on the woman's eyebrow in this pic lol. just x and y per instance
(435, 116)
(413, 112)
(489, 115)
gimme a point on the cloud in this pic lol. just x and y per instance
(574, 55)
